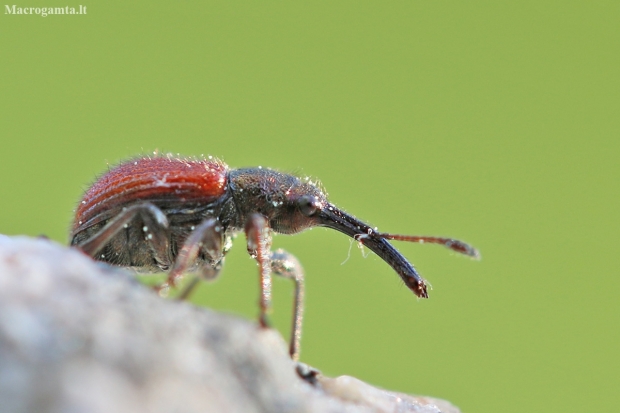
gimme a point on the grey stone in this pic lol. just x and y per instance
(79, 336)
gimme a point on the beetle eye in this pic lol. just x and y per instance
(308, 205)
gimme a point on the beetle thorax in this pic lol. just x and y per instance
(274, 195)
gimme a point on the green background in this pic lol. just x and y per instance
(493, 122)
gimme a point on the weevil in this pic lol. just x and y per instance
(179, 215)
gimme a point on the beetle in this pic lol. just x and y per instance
(178, 215)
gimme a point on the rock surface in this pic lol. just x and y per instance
(79, 336)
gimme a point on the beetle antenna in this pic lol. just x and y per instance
(453, 244)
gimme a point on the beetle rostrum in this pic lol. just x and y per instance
(179, 215)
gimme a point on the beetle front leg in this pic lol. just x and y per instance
(286, 265)
(258, 236)
(207, 237)
(155, 231)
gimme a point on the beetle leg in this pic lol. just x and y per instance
(188, 289)
(258, 236)
(206, 237)
(286, 265)
(155, 228)
(207, 272)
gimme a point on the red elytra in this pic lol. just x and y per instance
(179, 215)
(152, 179)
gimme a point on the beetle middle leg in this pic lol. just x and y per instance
(206, 237)
(206, 272)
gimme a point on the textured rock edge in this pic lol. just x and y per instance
(76, 335)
